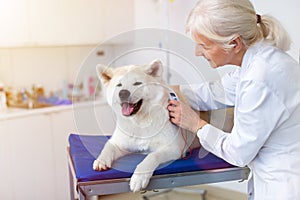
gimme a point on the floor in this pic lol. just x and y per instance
(202, 192)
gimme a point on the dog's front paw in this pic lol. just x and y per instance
(139, 181)
(100, 165)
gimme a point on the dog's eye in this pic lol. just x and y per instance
(138, 83)
(119, 85)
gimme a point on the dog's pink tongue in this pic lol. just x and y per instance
(126, 109)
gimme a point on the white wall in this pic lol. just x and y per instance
(49, 66)
(288, 13)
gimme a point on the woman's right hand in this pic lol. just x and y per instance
(184, 116)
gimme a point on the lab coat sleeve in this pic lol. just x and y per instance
(212, 95)
(258, 112)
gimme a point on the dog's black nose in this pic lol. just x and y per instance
(124, 95)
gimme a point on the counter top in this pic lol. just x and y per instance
(12, 113)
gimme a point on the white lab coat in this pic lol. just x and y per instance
(265, 91)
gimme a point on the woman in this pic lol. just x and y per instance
(265, 90)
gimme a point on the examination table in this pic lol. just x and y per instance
(83, 149)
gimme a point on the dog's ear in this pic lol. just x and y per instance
(104, 73)
(155, 68)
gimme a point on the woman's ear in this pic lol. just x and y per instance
(237, 44)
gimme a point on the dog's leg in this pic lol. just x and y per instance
(143, 172)
(109, 153)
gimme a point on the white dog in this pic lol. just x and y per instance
(139, 97)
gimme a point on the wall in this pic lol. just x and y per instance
(48, 66)
(287, 12)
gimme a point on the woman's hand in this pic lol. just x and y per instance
(183, 116)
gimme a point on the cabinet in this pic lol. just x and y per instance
(14, 23)
(33, 150)
(5, 166)
(31, 157)
(62, 124)
(94, 120)
(118, 17)
(47, 22)
(81, 119)
(68, 22)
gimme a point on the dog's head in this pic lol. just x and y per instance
(133, 89)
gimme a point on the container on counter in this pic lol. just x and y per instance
(3, 102)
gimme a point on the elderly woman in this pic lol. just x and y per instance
(264, 90)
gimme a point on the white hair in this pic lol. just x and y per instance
(224, 20)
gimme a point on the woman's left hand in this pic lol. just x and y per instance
(184, 116)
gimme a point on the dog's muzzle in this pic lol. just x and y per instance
(129, 108)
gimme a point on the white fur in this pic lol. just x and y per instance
(149, 130)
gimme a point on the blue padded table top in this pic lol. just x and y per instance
(84, 149)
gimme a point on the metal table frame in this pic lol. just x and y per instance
(114, 186)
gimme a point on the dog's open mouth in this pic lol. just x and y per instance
(129, 109)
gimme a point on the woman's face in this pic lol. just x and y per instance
(212, 51)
